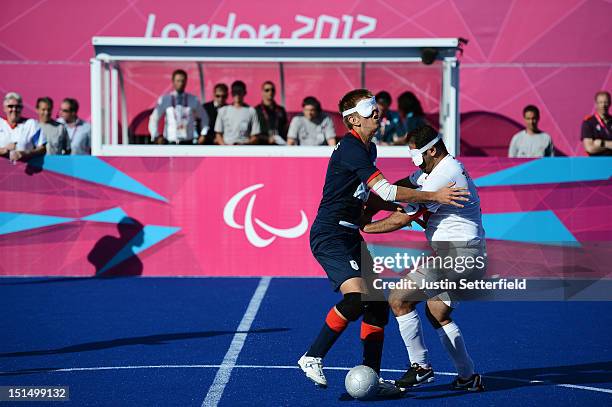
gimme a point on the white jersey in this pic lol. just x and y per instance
(27, 135)
(181, 111)
(449, 223)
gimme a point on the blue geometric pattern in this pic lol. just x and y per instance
(541, 227)
(149, 236)
(11, 222)
(93, 169)
(114, 215)
(551, 171)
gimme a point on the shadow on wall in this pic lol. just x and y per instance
(115, 256)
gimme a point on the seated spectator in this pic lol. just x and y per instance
(55, 132)
(411, 113)
(597, 128)
(20, 138)
(79, 131)
(272, 116)
(181, 110)
(237, 123)
(531, 142)
(312, 127)
(390, 123)
(221, 93)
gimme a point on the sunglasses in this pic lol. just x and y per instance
(16, 107)
(65, 110)
(223, 95)
(269, 90)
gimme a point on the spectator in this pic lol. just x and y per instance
(55, 132)
(220, 99)
(411, 113)
(531, 142)
(272, 116)
(390, 122)
(181, 110)
(20, 138)
(597, 128)
(312, 127)
(237, 123)
(79, 131)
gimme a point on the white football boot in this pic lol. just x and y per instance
(313, 368)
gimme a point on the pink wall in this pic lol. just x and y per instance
(554, 54)
(210, 235)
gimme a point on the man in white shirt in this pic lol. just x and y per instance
(454, 232)
(531, 142)
(79, 131)
(237, 123)
(20, 138)
(180, 109)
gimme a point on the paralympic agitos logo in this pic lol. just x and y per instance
(248, 225)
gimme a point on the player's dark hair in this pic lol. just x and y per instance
(602, 92)
(45, 99)
(222, 86)
(532, 108)
(407, 102)
(74, 104)
(423, 135)
(349, 101)
(384, 97)
(312, 101)
(179, 72)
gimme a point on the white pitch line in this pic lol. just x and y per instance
(229, 361)
(98, 368)
(575, 386)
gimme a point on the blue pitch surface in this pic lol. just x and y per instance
(161, 341)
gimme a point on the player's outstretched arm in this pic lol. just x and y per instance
(449, 195)
(391, 223)
(376, 204)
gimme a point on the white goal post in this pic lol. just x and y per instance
(108, 98)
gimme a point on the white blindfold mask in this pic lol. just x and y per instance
(364, 107)
(417, 154)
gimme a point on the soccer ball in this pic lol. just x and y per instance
(361, 382)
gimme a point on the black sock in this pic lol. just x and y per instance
(372, 354)
(326, 339)
(332, 329)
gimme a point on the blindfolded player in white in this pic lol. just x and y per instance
(451, 231)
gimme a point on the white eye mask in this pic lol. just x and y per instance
(364, 107)
(417, 154)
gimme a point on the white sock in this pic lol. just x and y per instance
(412, 334)
(450, 336)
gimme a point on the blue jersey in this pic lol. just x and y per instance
(351, 166)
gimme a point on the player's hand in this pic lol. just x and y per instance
(15, 156)
(400, 219)
(451, 195)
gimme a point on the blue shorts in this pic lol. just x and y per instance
(339, 252)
